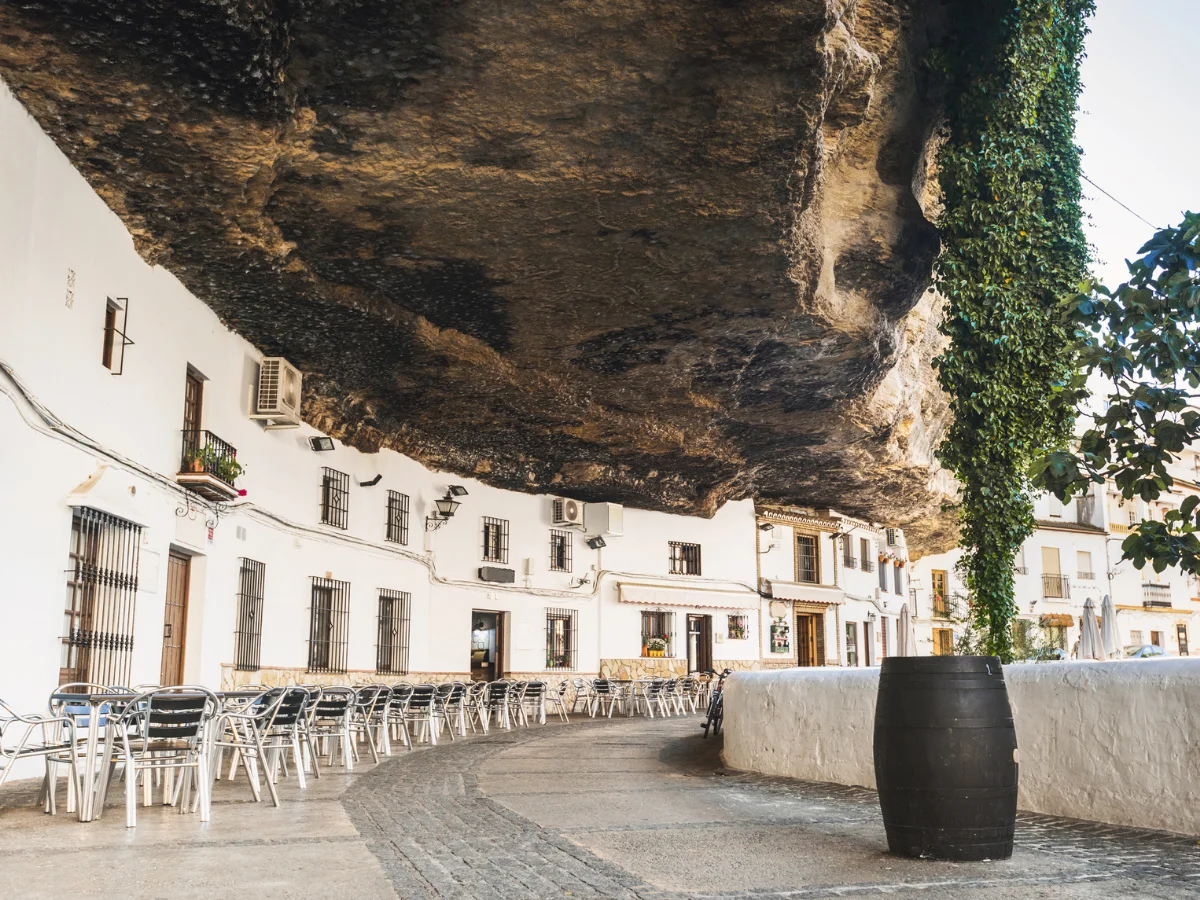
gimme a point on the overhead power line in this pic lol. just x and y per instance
(1118, 202)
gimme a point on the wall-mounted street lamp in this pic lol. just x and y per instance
(445, 508)
(595, 542)
(321, 443)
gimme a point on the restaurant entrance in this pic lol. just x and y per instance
(487, 645)
(699, 643)
(810, 639)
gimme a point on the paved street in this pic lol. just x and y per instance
(595, 810)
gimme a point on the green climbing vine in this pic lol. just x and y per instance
(1012, 250)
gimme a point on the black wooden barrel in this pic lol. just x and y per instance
(946, 757)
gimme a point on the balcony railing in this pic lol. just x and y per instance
(1087, 576)
(209, 465)
(1020, 570)
(1156, 595)
(851, 562)
(941, 608)
(1056, 587)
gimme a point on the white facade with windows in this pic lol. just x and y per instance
(324, 569)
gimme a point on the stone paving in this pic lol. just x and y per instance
(629, 810)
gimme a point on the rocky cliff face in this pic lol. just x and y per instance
(669, 253)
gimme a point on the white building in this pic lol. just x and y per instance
(1074, 555)
(119, 388)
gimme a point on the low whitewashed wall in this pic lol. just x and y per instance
(1112, 742)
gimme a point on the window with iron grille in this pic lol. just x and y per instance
(560, 550)
(685, 558)
(329, 625)
(495, 540)
(658, 633)
(868, 560)
(102, 583)
(848, 558)
(397, 517)
(898, 572)
(391, 647)
(247, 636)
(335, 498)
(807, 559)
(112, 356)
(560, 639)
(738, 627)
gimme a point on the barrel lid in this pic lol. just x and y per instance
(941, 665)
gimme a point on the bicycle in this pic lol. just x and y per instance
(716, 706)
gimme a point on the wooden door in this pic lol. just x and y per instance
(806, 640)
(179, 569)
(193, 401)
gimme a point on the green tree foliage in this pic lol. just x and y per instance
(1013, 248)
(1141, 341)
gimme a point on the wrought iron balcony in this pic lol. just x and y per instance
(209, 466)
(1056, 587)
(1156, 595)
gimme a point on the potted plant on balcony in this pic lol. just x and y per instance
(656, 646)
(227, 468)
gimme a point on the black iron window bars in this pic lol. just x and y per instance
(560, 550)
(397, 517)
(684, 558)
(329, 626)
(560, 639)
(807, 570)
(248, 634)
(391, 646)
(335, 498)
(495, 540)
(102, 583)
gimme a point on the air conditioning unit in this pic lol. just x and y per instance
(279, 388)
(568, 512)
(606, 518)
(893, 536)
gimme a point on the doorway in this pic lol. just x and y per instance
(487, 645)
(179, 576)
(1181, 632)
(699, 643)
(810, 639)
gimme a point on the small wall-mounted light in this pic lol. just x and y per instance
(374, 481)
(595, 542)
(321, 443)
(766, 526)
(871, 617)
(445, 508)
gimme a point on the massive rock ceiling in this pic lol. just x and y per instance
(666, 252)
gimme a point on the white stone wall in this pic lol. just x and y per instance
(1111, 742)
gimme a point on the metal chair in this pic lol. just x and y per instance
(367, 717)
(397, 725)
(533, 700)
(556, 699)
(328, 726)
(164, 730)
(451, 698)
(57, 744)
(476, 706)
(423, 710)
(604, 693)
(496, 700)
(241, 729)
(581, 693)
(516, 702)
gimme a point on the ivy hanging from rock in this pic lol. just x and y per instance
(1013, 249)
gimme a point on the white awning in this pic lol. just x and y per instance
(808, 593)
(667, 595)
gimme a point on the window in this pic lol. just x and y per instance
(1156, 638)
(495, 540)
(335, 498)
(941, 605)
(328, 625)
(102, 583)
(848, 552)
(898, 578)
(807, 559)
(113, 354)
(391, 644)
(658, 633)
(1137, 637)
(247, 636)
(560, 639)
(867, 560)
(943, 642)
(397, 518)
(868, 644)
(1084, 558)
(685, 558)
(883, 575)
(883, 637)
(193, 402)
(1056, 507)
(852, 643)
(739, 628)
(1019, 567)
(560, 550)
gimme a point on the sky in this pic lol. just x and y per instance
(1139, 125)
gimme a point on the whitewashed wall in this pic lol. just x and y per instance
(54, 223)
(1112, 742)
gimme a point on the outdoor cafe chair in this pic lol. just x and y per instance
(423, 710)
(81, 713)
(556, 699)
(654, 694)
(397, 726)
(496, 702)
(367, 717)
(604, 693)
(581, 693)
(672, 696)
(690, 693)
(164, 730)
(533, 701)
(476, 706)
(328, 726)
(452, 699)
(51, 737)
(516, 702)
(241, 730)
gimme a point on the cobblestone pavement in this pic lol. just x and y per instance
(621, 810)
(641, 810)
